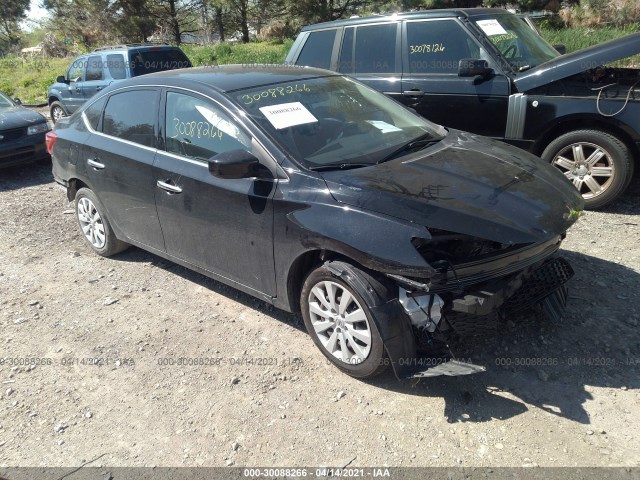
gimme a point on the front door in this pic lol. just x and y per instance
(432, 50)
(224, 226)
(72, 95)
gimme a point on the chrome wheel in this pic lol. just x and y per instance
(589, 167)
(91, 223)
(339, 322)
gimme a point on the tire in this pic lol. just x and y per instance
(603, 161)
(94, 226)
(331, 329)
(57, 111)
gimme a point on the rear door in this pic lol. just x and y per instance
(371, 53)
(224, 226)
(118, 163)
(431, 53)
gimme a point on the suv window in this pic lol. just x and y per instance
(130, 116)
(346, 51)
(317, 49)
(437, 46)
(94, 68)
(375, 49)
(197, 128)
(76, 70)
(150, 61)
(116, 66)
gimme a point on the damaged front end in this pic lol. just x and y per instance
(476, 290)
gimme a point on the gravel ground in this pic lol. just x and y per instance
(266, 396)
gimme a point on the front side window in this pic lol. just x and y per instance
(334, 121)
(76, 70)
(437, 46)
(94, 68)
(317, 49)
(132, 116)
(197, 128)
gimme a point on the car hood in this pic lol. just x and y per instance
(466, 184)
(573, 63)
(16, 117)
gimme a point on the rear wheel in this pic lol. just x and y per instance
(94, 225)
(598, 164)
(336, 308)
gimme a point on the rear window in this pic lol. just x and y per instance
(317, 49)
(150, 61)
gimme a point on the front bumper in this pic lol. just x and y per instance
(27, 149)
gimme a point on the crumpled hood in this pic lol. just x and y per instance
(16, 117)
(466, 184)
(580, 61)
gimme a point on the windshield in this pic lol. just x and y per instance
(5, 102)
(334, 121)
(517, 42)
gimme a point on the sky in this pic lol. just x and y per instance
(34, 15)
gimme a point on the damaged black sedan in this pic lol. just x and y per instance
(322, 196)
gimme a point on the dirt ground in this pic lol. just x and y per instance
(255, 391)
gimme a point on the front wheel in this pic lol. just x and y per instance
(337, 314)
(57, 112)
(598, 164)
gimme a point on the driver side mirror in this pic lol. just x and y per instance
(237, 164)
(18, 101)
(61, 79)
(478, 69)
(561, 49)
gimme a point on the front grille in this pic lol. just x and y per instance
(13, 134)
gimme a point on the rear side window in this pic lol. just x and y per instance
(94, 68)
(375, 50)
(94, 113)
(317, 49)
(132, 116)
(437, 46)
(116, 66)
(149, 61)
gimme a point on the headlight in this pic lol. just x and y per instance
(38, 128)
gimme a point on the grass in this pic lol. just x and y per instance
(29, 79)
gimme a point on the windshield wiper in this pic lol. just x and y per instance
(423, 141)
(338, 166)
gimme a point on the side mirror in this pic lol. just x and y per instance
(18, 101)
(237, 164)
(562, 49)
(61, 79)
(471, 67)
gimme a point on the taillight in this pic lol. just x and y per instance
(50, 140)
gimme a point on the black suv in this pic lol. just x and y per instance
(94, 71)
(487, 72)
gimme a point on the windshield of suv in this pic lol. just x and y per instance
(336, 122)
(518, 43)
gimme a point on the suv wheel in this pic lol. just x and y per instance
(336, 309)
(57, 112)
(94, 225)
(598, 164)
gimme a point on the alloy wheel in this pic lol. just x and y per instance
(91, 223)
(589, 167)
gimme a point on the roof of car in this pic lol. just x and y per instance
(227, 78)
(454, 12)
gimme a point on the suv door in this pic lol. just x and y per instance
(72, 96)
(94, 79)
(118, 161)
(371, 53)
(224, 226)
(431, 53)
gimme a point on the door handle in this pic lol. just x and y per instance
(97, 165)
(413, 93)
(98, 88)
(168, 187)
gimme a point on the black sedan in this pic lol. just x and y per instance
(22, 134)
(319, 195)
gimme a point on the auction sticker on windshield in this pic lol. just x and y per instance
(287, 115)
(491, 27)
